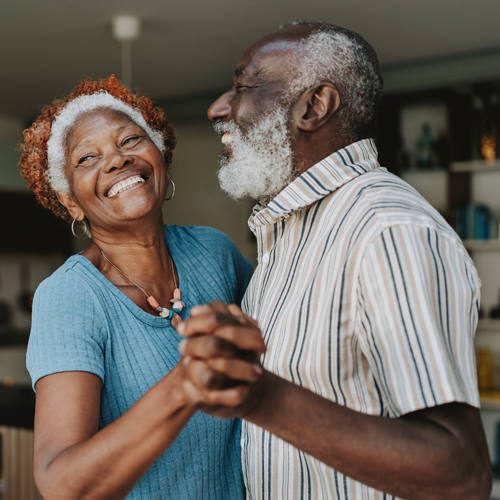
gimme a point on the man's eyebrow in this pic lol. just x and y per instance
(244, 72)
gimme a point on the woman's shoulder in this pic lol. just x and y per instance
(212, 252)
(68, 327)
(73, 280)
(203, 234)
(208, 240)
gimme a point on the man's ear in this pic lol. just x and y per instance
(316, 106)
(74, 210)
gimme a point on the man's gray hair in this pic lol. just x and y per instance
(340, 56)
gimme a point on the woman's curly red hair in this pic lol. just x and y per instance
(34, 158)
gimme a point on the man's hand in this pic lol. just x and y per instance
(438, 452)
(221, 357)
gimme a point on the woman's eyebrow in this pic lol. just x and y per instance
(118, 129)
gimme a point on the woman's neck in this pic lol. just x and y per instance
(140, 252)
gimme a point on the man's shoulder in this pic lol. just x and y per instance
(391, 201)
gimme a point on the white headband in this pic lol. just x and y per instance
(56, 148)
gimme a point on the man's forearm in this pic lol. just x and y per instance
(421, 456)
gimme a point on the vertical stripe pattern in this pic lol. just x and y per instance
(365, 296)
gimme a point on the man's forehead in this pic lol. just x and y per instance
(265, 57)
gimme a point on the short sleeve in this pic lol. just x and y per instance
(66, 332)
(418, 300)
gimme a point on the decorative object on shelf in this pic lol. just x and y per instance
(486, 103)
(484, 370)
(473, 221)
(419, 135)
(425, 146)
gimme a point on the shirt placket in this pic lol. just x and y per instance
(264, 247)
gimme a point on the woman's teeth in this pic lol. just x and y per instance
(226, 138)
(124, 185)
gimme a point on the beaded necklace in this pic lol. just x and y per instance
(177, 304)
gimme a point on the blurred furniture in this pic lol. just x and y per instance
(464, 176)
(25, 226)
(17, 406)
(16, 467)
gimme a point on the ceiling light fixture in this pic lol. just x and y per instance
(126, 29)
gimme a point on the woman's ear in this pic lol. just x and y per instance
(68, 201)
(315, 107)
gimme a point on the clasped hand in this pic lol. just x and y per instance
(220, 360)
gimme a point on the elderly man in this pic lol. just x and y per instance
(366, 298)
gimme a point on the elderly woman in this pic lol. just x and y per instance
(116, 413)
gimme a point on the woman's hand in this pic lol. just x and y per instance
(221, 359)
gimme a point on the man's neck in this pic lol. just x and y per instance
(316, 147)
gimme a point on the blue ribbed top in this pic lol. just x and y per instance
(81, 322)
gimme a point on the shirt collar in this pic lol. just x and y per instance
(315, 183)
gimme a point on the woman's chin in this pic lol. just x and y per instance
(137, 208)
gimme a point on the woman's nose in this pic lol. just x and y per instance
(220, 109)
(117, 160)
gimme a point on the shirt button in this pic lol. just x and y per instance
(265, 258)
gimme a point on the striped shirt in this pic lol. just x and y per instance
(366, 296)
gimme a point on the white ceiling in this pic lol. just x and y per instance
(191, 46)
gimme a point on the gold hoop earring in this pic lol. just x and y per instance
(84, 228)
(173, 191)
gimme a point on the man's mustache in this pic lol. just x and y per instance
(221, 128)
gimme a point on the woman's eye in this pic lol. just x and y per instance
(131, 140)
(83, 159)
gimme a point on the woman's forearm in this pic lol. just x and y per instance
(108, 464)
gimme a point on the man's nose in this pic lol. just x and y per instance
(220, 109)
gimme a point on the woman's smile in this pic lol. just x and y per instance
(113, 158)
(134, 180)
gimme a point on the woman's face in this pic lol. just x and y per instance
(115, 171)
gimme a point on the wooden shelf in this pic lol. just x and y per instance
(475, 166)
(482, 245)
(489, 325)
(490, 404)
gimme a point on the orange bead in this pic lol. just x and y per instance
(152, 302)
(177, 294)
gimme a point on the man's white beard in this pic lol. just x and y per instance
(261, 161)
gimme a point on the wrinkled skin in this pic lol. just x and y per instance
(73, 458)
(435, 453)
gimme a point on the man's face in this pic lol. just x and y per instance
(252, 121)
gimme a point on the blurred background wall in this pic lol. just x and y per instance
(439, 130)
